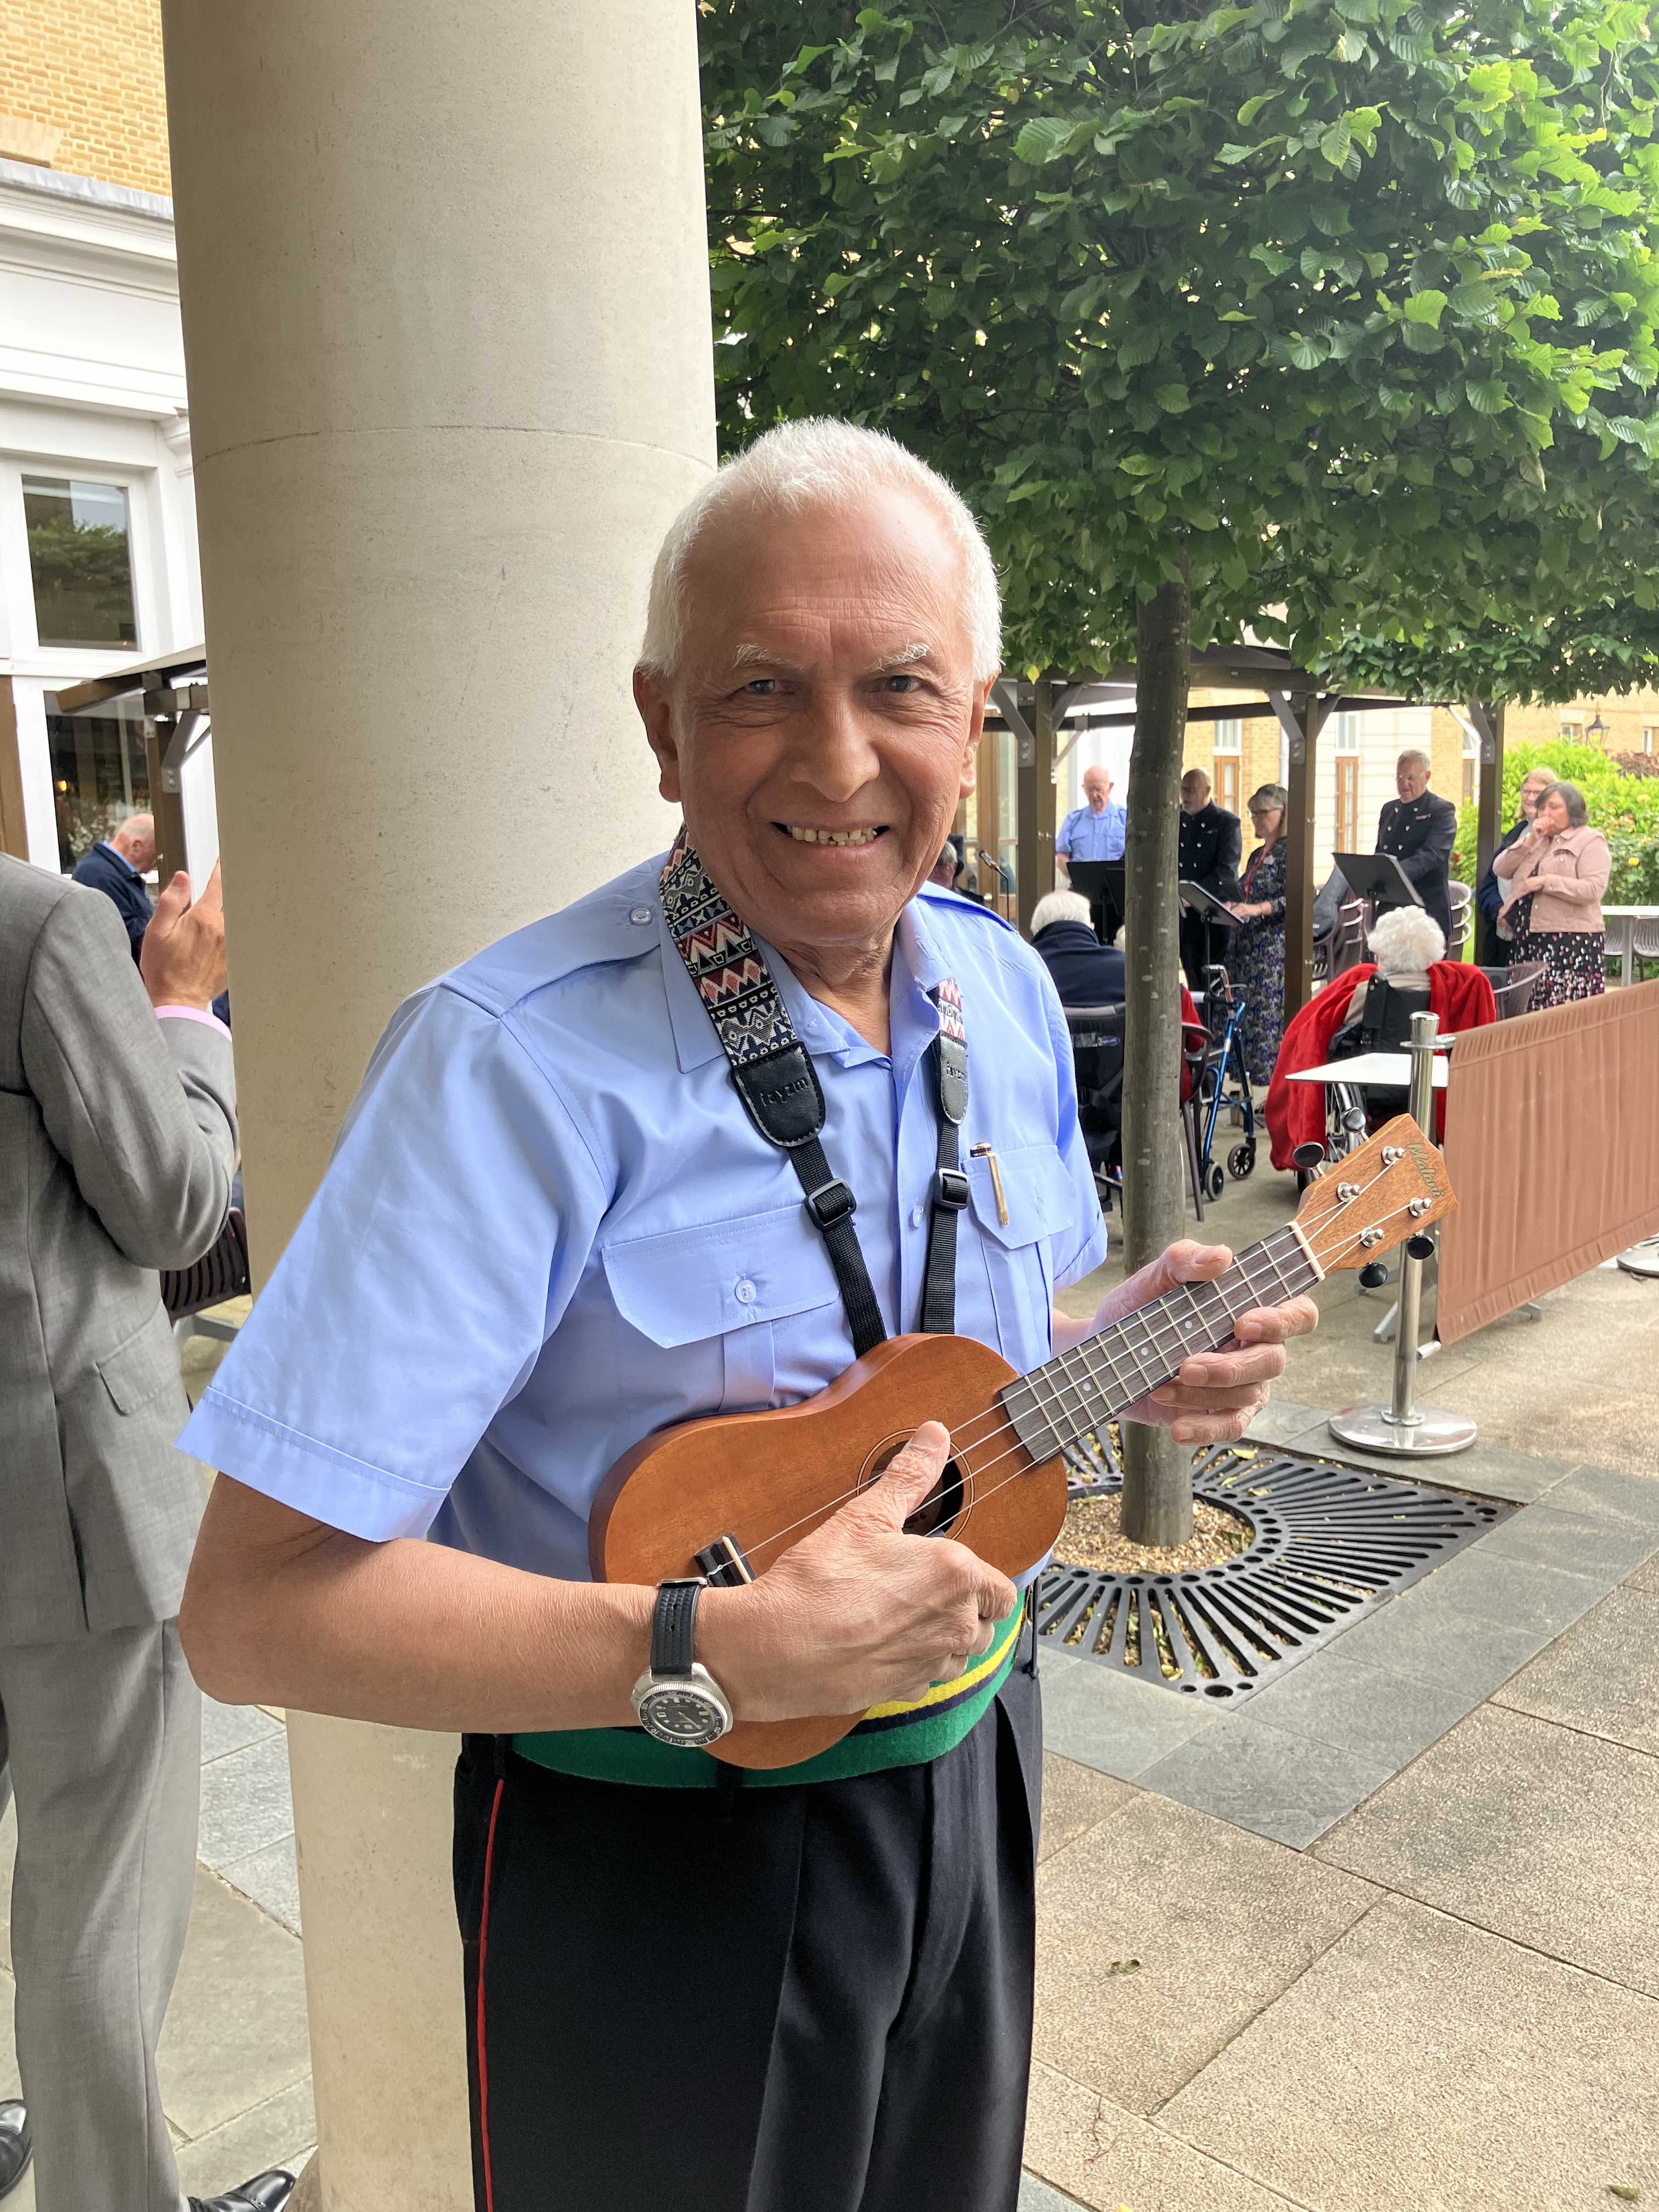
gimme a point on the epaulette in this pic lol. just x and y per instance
(937, 895)
(616, 922)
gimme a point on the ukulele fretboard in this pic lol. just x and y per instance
(1072, 1393)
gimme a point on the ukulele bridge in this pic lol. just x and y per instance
(724, 1565)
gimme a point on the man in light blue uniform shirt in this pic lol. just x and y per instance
(1096, 831)
(549, 1229)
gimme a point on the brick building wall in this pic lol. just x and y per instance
(90, 71)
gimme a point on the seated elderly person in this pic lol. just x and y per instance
(592, 1187)
(1405, 943)
(1086, 973)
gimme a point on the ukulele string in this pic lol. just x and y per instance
(983, 1429)
(1018, 1472)
(990, 1424)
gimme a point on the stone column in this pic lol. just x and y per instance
(445, 292)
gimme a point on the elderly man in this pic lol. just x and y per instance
(1085, 972)
(1212, 845)
(1420, 830)
(117, 865)
(551, 1228)
(1094, 831)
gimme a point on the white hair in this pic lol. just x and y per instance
(1406, 941)
(1415, 753)
(1058, 906)
(819, 461)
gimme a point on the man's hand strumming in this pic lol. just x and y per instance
(182, 959)
(858, 1614)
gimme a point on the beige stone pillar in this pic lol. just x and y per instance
(446, 326)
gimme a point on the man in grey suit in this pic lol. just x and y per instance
(118, 1143)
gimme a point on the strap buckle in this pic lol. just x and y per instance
(950, 1189)
(830, 1203)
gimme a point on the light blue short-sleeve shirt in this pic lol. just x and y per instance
(1086, 835)
(549, 1229)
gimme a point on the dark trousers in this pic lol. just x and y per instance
(815, 1999)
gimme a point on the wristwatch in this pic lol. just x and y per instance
(677, 1700)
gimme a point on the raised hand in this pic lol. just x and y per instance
(182, 959)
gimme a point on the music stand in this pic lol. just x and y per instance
(1212, 913)
(1379, 877)
(1101, 881)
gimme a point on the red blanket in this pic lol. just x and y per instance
(1295, 1112)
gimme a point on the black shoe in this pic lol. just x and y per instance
(266, 2193)
(16, 2146)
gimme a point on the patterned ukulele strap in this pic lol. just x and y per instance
(773, 1076)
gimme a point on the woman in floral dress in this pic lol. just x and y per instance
(1256, 962)
(1553, 880)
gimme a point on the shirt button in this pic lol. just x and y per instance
(745, 1293)
(639, 913)
(916, 1217)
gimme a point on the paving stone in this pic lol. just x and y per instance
(1052, 1664)
(1422, 2065)
(1281, 1420)
(1603, 1550)
(1541, 1834)
(281, 2132)
(1096, 1716)
(1647, 1578)
(1602, 1490)
(1602, 1676)
(1106, 2158)
(1291, 1788)
(233, 1728)
(1383, 1717)
(1512, 1593)
(1483, 1471)
(235, 2035)
(245, 1802)
(271, 1879)
(1433, 1643)
(1222, 1923)
(1074, 1800)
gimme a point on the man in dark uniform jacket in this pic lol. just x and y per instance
(1211, 844)
(1420, 830)
(117, 866)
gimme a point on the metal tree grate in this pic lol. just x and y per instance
(1327, 1544)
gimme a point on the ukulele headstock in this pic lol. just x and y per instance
(1361, 1205)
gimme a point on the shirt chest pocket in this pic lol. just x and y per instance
(1010, 1277)
(719, 1315)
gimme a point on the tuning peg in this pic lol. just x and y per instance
(1420, 1247)
(1307, 1156)
(1373, 1275)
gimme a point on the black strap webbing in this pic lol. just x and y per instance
(949, 1060)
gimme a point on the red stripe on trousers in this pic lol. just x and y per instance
(483, 1948)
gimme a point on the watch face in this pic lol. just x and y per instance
(683, 1713)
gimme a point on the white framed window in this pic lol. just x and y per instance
(1647, 736)
(1345, 728)
(1572, 726)
(80, 562)
(1228, 735)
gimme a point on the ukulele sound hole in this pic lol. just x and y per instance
(941, 1509)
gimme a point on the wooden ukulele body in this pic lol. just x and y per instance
(769, 1479)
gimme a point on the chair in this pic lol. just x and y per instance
(1385, 1015)
(1097, 1034)
(1462, 901)
(1512, 987)
(1353, 921)
(221, 1272)
(1644, 944)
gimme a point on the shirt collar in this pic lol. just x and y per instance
(120, 860)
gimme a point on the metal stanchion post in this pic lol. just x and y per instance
(1411, 1431)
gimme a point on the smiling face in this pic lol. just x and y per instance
(821, 727)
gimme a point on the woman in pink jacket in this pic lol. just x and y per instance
(1552, 880)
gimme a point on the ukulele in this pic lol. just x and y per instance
(725, 1498)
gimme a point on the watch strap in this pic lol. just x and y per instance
(673, 1624)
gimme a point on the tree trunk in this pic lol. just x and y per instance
(1157, 1498)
